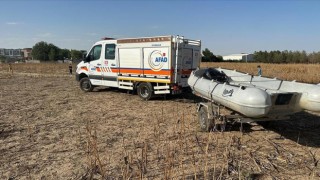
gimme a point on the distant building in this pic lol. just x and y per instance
(239, 57)
(12, 53)
(24, 54)
(27, 53)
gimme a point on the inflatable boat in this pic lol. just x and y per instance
(254, 96)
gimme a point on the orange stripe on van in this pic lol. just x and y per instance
(84, 68)
(98, 69)
(142, 71)
(145, 79)
(163, 72)
(133, 71)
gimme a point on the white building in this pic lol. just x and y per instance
(238, 57)
(13, 53)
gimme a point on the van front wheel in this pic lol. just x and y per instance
(85, 85)
(145, 91)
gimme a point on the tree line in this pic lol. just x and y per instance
(208, 56)
(271, 57)
(286, 57)
(49, 52)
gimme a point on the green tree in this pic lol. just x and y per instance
(40, 51)
(2, 58)
(53, 52)
(64, 54)
(290, 57)
(277, 58)
(44, 52)
(208, 56)
(75, 54)
(220, 58)
(296, 57)
(314, 57)
(284, 55)
(304, 57)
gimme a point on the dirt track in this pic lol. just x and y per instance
(49, 129)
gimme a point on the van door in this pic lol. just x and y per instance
(94, 60)
(185, 67)
(110, 66)
(187, 61)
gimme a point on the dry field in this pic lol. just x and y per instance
(308, 73)
(50, 129)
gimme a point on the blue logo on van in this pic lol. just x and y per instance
(161, 59)
(157, 60)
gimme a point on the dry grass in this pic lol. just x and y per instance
(172, 148)
(49, 129)
(38, 68)
(308, 73)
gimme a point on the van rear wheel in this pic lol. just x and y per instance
(145, 91)
(85, 85)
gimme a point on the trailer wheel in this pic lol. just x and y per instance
(145, 91)
(85, 85)
(206, 124)
(220, 123)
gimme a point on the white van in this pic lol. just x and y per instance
(150, 65)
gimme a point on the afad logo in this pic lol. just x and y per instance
(157, 59)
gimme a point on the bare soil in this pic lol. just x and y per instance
(50, 129)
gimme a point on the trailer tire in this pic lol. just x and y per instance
(206, 124)
(85, 85)
(145, 91)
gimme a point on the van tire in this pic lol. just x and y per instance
(145, 91)
(85, 85)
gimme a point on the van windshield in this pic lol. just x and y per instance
(95, 53)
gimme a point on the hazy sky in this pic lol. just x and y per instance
(223, 26)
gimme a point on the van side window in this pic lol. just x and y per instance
(95, 52)
(110, 51)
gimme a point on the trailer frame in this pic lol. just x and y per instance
(211, 119)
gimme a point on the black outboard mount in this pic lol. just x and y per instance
(213, 74)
